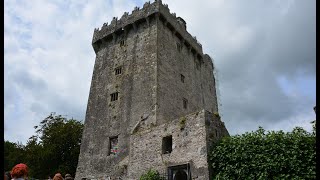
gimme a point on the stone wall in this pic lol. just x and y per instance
(208, 85)
(191, 135)
(153, 50)
(175, 59)
(128, 21)
(136, 99)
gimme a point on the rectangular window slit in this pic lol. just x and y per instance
(182, 78)
(118, 70)
(167, 145)
(114, 96)
(113, 145)
(121, 43)
(179, 47)
(185, 103)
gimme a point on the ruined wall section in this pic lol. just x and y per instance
(189, 145)
(215, 130)
(136, 98)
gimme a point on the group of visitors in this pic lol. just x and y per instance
(58, 176)
(20, 172)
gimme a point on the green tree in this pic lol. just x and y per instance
(34, 155)
(314, 127)
(54, 148)
(265, 155)
(13, 154)
(60, 139)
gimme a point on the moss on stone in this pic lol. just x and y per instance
(182, 122)
(216, 114)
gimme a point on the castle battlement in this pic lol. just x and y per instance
(161, 11)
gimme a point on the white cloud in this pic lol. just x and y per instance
(49, 58)
(302, 120)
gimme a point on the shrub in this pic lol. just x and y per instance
(151, 175)
(266, 155)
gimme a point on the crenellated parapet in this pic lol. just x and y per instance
(126, 19)
(156, 9)
(180, 29)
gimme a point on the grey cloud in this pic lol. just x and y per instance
(279, 42)
(252, 44)
(288, 50)
(68, 107)
(17, 81)
(28, 81)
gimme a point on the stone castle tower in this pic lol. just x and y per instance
(152, 101)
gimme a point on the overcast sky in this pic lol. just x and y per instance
(264, 52)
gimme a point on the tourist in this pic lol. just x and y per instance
(19, 171)
(58, 176)
(68, 177)
(8, 175)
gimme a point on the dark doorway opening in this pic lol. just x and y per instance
(179, 172)
(181, 175)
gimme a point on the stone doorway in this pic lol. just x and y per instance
(180, 175)
(179, 172)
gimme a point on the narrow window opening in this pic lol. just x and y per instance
(182, 78)
(179, 47)
(118, 70)
(113, 145)
(98, 45)
(196, 61)
(114, 96)
(121, 43)
(197, 65)
(185, 103)
(167, 145)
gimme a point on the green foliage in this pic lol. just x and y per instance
(13, 154)
(182, 122)
(34, 155)
(151, 175)
(54, 148)
(314, 127)
(216, 114)
(265, 155)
